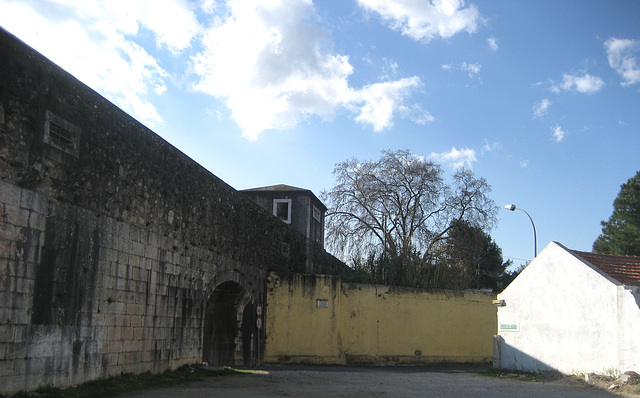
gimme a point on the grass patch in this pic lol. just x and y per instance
(117, 385)
(513, 374)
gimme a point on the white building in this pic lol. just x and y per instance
(572, 311)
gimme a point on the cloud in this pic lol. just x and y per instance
(623, 58)
(489, 147)
(524, 163)
(94, 42)
(416, 114)
(557, 133)
(456, 158)
(424, 20)
(583, 84)
(473, 70)
(381, 100)
(286, 71)
(493, 43)
(540, 109)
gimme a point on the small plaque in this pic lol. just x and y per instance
(509, 327)
(322, 303)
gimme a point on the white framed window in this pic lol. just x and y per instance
(61, 134)
(282, 209)
(316, 214)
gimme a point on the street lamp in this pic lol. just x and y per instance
(513, 207)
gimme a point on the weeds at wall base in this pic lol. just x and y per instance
(129, 382)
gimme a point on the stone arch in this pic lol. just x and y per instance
(230, 336)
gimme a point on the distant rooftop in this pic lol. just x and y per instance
(274, 188)
(283, 188)
(624, 269)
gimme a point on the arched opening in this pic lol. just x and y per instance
(230, 335)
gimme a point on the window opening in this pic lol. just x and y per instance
(61, 134)
(282, 209)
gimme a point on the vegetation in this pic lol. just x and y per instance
(129, 382)
(621, 233)
(399, 222)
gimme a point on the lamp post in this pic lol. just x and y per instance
(513, 207)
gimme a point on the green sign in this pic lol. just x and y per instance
(509, 327)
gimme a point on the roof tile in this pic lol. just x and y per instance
(624, 269)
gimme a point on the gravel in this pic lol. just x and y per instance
(327, 382)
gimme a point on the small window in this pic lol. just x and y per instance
(61, 134)
(282, 209)
(316, 214)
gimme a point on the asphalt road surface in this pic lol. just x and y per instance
(392, 382)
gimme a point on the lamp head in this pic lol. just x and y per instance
(510, 207)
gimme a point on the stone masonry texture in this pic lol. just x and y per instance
(110, 251)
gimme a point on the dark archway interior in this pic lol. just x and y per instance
(230, 335)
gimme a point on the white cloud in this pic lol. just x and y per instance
(583, 84)
(493, 43)
(416, 114)
(540, 109)
(623, 58)
(456, 158)
(382, 99)
(488, 147)
(557, 133)
(424, 20)
(472, 69)
(524, 163)
(94, 42)
(285, 71)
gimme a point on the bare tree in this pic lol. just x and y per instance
(400, 204)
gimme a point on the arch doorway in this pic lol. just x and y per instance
(230, 332)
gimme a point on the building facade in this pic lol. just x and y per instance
(295, 206)
(571, 311)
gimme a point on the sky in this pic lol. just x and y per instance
(540, 98)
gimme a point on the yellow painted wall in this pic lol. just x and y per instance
(374, 324)
(297, 331)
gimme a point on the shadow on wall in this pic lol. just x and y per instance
(508, 357)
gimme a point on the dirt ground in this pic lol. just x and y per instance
(437, 381)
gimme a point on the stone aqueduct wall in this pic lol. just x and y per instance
(116, 255)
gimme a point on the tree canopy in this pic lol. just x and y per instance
(473, 256)
(401, 206)
(621, 233)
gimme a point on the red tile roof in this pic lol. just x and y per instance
(624, 269)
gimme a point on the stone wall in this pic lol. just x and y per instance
(116, 250)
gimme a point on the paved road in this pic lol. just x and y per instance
(392, 382)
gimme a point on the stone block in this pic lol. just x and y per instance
(135, 261)
(16, 215)
(37, 221)
(10, 194)
(137, 249)
(33, 201)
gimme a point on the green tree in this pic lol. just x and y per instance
(621, 233)
(476, 255)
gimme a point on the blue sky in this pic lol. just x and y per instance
(541, 98)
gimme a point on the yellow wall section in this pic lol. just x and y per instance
(374, 324)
